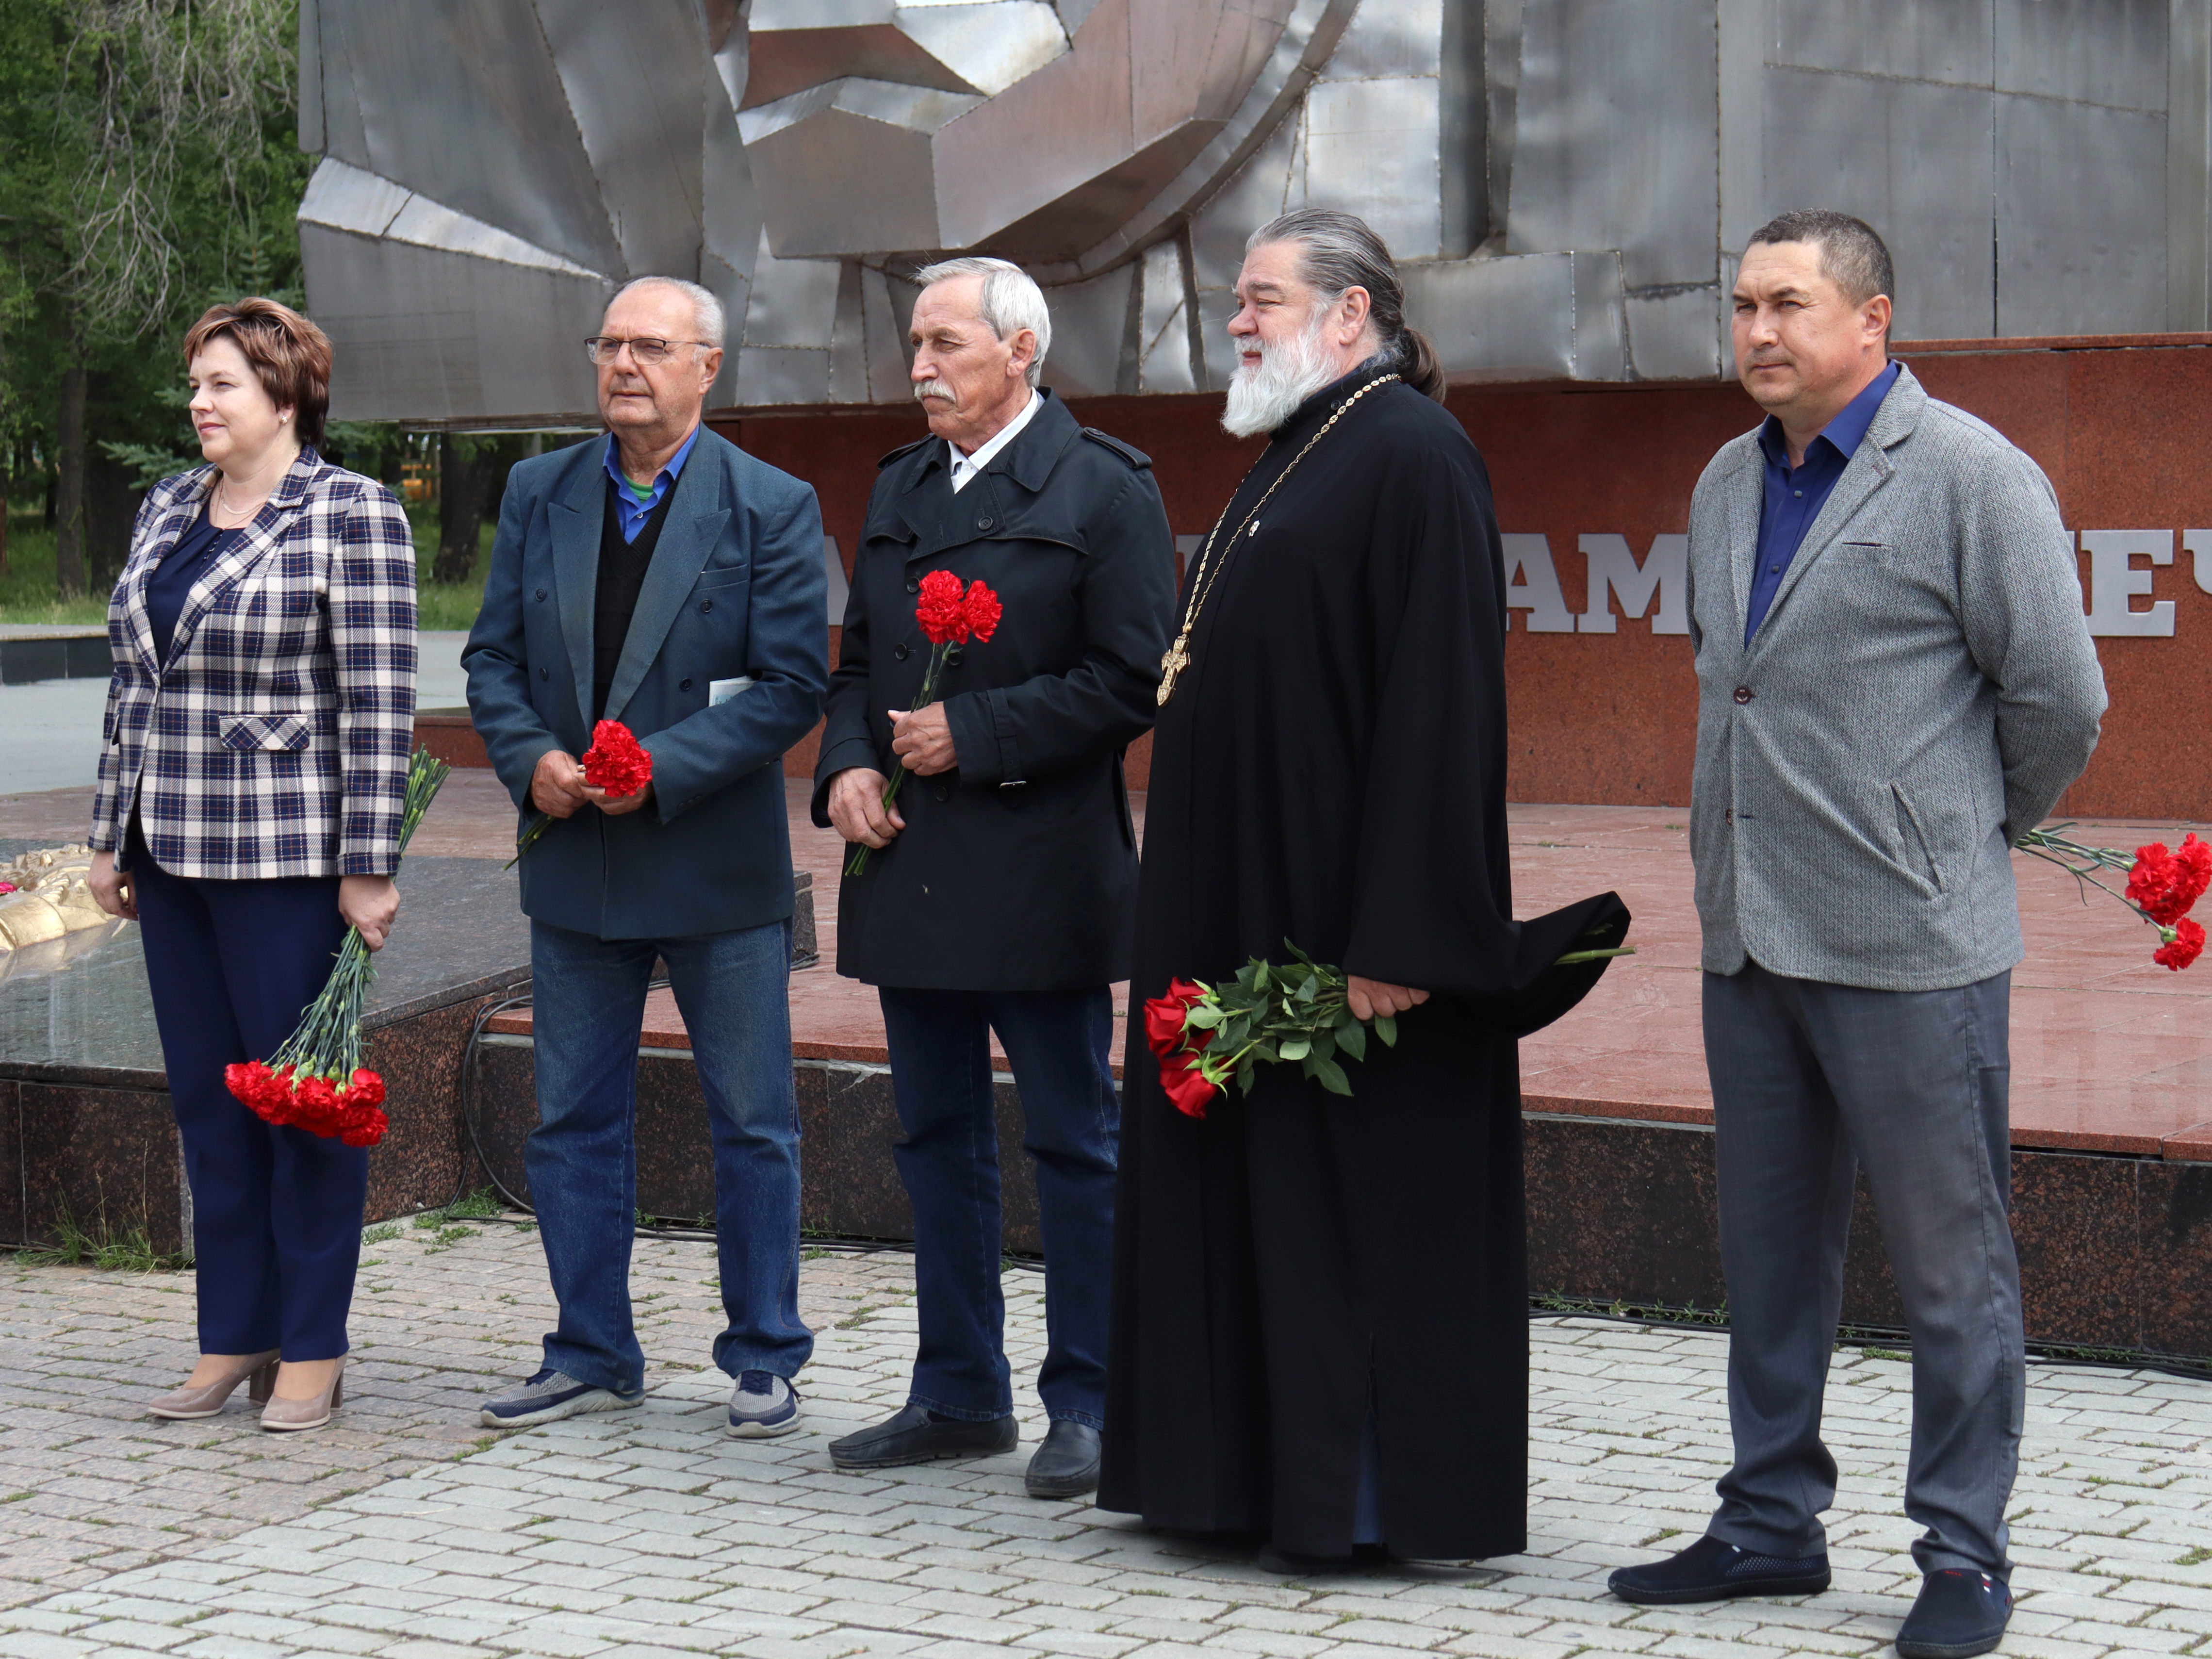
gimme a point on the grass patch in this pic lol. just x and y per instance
(476, 1207)
(383, 1235)
(129, 1251)
(27, 592)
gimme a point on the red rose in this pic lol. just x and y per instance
(1164, 1017)
(1186, 1085)
(981, 610)
(941, 611)
(2185, 946)
(617, 762)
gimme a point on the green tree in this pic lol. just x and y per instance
(149, 168)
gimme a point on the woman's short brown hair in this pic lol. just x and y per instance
(291, 357)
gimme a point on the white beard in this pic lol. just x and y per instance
(1260, 399)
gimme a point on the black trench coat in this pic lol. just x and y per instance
(1018, 872)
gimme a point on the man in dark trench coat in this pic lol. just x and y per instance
(999, 887)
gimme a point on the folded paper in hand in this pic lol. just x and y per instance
(720, 691)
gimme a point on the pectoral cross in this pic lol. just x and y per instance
(1172, 664)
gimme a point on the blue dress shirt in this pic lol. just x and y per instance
(633, 506)
(1794, 499)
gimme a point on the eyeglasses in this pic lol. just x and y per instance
(604, 348)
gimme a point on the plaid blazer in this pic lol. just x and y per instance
(273, 741)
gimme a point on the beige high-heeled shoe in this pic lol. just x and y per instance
(287, 1416)
(207, 1400)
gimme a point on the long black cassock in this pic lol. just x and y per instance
(1331, 770)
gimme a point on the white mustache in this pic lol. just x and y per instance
(935, 389)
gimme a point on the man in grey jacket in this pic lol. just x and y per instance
(1895, 683)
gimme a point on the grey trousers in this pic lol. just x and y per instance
(1811, 1080)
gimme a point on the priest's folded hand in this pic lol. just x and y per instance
(858, 810)
(1367, 997)
(923, 740)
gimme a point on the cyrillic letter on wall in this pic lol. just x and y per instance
(1664, 574)
(1532, 585)
(2114, 581)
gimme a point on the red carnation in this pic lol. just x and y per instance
(2184, 943)
(2166, 884)
(362, 1126)
(617, 762)
(941, 611)
(980, 610)
(365, 1088)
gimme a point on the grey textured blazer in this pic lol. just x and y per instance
(1921, 693)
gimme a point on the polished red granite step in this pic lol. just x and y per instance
(2110, 1052)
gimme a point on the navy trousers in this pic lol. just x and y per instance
(1058, 1043)
(276, 1211)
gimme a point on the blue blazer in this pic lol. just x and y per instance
(736, 589)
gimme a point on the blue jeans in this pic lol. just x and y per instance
(1812, 1081)
(588, 996)
(1059, 1044)
(232, 965)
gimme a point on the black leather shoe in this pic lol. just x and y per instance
(1709, 1570)
(1957, 1613)
(1066, 1464)
(915, 1435)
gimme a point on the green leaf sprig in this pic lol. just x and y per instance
(1276, 1013)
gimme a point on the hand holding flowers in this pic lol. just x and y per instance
(616, 764)
(949, 615)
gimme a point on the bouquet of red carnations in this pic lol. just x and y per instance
(948, 616)
(617, 762)
(316, 1081)
(2162, 885)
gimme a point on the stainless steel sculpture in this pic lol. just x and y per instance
(1568, 182)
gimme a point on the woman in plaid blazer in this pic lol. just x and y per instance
(259, 719)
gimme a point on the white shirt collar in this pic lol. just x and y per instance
(965, 467)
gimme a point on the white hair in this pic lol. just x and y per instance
(1011, 300)
(707, 316)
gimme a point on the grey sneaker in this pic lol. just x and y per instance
(550, 1396)
(763, 1405)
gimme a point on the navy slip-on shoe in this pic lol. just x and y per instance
(550, 1396)
(1957, 1614)
(761, 1405)
(1711, 1570)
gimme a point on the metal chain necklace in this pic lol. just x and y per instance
(245, 514)
(1177, 657)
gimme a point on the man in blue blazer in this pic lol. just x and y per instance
(659, 577)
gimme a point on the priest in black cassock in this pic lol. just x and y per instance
(1319, 1334)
